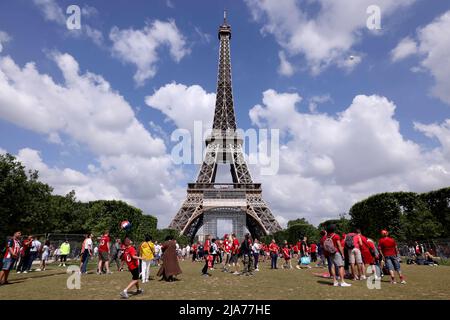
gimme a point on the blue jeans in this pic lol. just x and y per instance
(256, 257)
(33, 256)
(85, 260)
(273, 257)
(392, 263)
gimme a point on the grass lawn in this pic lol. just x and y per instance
(424, 282)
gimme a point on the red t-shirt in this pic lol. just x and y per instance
(286, 253)
(235, 246)
(295, 249)
(128, 256)
(194, 248)
(387, 246)
(103, 247)
(273, 248)
(206, 246)
(313, 247)
(226, 246)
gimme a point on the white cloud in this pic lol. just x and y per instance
(117, 178)
(84, 108)
(314, 101)
(183, 105)
(328, 162)
(405, 48)
(128, 163)
(285, 68)
(432, 46)
(326, 33)
(140, 47)
(4, 37)
(52, 11)
(439, 131)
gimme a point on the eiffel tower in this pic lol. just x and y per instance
(240, 201)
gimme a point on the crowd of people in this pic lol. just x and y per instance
(350, 256)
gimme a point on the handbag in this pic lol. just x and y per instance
(305, 260)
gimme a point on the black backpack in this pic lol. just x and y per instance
(349, 244)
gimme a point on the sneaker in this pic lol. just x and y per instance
(139, 291)
(256, 269)
(60, 265)
(403, 282)
(363, 278)
(393, 282)
(38, 269)
(345, 284)
(124, 295)
(298, 267)
(336, 284)
(64, 264)
(19, 272)
(25, 271)
(236, 272)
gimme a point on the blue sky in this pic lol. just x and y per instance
(402, 148)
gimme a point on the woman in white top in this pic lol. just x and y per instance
(256, 247)
(45, 255)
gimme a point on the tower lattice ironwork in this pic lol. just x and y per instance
(224, 146)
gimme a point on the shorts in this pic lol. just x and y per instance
(392, 263)
(103, 256)
(234, 258)
(44, 257)
(135, 274)
(354, 256)
(8, 263)
(337, 260)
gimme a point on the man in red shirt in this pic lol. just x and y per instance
(103, 253)
(131, 258)
(235, 253)
(194, 252)
(389, 251)
(273, 249)
(333, 247)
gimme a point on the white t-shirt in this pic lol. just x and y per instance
(256, 247)
(88, 244)
(157, 249)
(35, 246)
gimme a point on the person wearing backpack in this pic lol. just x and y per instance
(333, 247)
(353, 244)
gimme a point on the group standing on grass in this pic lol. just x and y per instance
(348, 256)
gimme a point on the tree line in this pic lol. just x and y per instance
(28, 204)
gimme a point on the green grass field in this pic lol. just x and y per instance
(424, 282)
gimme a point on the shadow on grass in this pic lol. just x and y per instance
(322, 282)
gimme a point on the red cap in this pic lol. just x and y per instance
(384, 232)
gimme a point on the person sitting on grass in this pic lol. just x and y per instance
(131, 258)
(429, 260)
